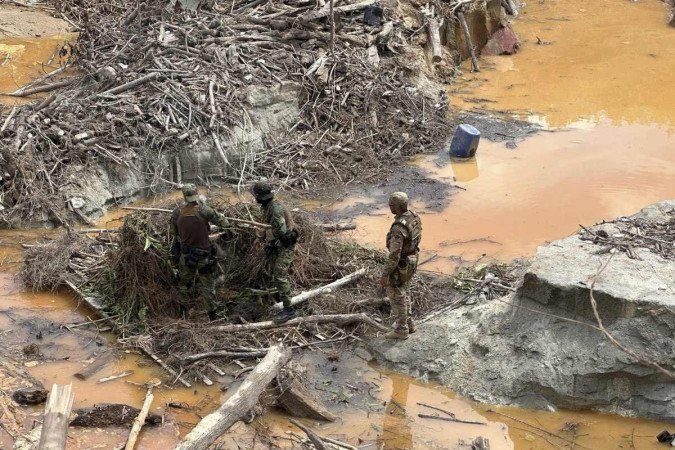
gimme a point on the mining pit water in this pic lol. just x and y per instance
(32, 44)
(596, 59)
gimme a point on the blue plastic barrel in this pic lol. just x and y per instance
(465, 141)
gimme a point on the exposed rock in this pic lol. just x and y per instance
(503, 42)
(483, 19)
(521, 350)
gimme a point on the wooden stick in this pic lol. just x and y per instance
(337, 319)
(314, 438)
(116, 376)
(469, 43)
(130, 85)
(535, 427)
(139, 421)
(239, 404)
(8, 120)
(304, 296)
(253, 353)
(435, 41)
(450, 419)
(55, 423)
(437, 409)
(39, 89)
(138, 208)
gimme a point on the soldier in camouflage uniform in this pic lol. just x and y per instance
(403, 242)
(279, 247)
(193, 252)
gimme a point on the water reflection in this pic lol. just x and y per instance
(464, 169)
(396, 432)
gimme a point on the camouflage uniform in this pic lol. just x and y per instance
(280, 252)
(403, 242)
(193, 251)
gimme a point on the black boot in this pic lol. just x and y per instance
(285, 315)
(212, 316)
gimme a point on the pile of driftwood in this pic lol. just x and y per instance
(630, 233)
(151, 82)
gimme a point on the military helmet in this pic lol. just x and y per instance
(262, 191)
(399, 199)
(190, 192)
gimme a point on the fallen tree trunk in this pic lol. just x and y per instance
(55, 424)
(96, 365)
(239, 404)
(469, 43)
(139, 421)
(435, 41)
(304, 296)
(337, 319)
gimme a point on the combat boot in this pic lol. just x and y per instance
(411, 326)
(284, 316)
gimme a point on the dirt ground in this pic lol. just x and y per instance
(17, 21)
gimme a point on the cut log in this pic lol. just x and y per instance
(139, 421)
(314, 438)
(435, 41)
(239, 404)
(326, 10)
(55, 423)
(469, 43)
(304, 296)
(337, 319)
(130, 85)
(299, 402)
(99, 363)
(338, 226)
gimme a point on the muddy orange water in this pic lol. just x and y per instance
(600, 59)
(516, 200)
(30, 47)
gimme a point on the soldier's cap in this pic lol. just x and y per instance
(262, 191)
(399, 199)
(190, 192)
